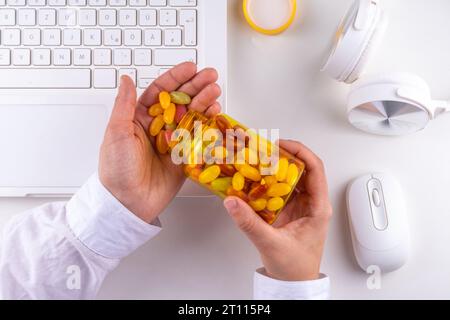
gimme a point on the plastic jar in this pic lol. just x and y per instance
(225, 157)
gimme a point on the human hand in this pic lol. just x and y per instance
(139, 177)
(291, 249)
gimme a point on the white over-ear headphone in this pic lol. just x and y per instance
(388, 104)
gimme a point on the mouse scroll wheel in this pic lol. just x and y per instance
(376, 197)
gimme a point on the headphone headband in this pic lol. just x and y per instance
(353, 40)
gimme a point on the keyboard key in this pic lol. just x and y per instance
(172, 57)
(15, 3)
(138, 3)
(168, 17)
(26, 17)
(102, 57)
(77, 3)
(72, 37)
(147, 17)
(143, 83)
(153, 37)
(122, 57)
(132, 37)
(11, 37)
(21, 57)
(188, 19)
(40, 57)
(128, 72)
(82, 57)
(56, 3)
(92, 37)
(7, 17)
(45, 78)
(47, 17)
(107, 17)
(67, 17)
(36, 3)
(117, 3)
(5, 57)
(88, 17)
(61, 57)
(143, 57)
(105, 78)
(31, 37)
(127, 17)
(148, 73)
(157, 3)
(172, 37)
(183, 3)
(112, 37)
(51, 37)
(97, 3)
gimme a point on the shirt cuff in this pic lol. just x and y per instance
(104, 225)
(265, 288)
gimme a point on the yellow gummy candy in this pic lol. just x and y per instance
(180, 98)
(279, 190)
(275, 204)
(156, 125)
(209, 175)
(238, 181)
(155, 110)
(169, 114)
(221, 185)
(270, 180)
(282, 168)
(250, 172)
(164, 99)
(258, 205)
(292, 175)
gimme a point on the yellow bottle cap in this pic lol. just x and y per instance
(270, 17)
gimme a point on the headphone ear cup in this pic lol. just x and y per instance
(375, 105)
(370, 48)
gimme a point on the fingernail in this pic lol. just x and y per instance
(122, 78)
(230, 204)
(123, 92)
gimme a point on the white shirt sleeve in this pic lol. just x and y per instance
(265, 288)
(65, 250)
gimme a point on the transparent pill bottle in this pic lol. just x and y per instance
(228, 159)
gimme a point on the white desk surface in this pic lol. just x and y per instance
(274, 83)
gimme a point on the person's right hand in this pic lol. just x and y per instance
(291, 249)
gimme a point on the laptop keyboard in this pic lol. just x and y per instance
(84, 44)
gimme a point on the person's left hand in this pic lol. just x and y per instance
(130, 167)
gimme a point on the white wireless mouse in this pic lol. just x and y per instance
(378, 222)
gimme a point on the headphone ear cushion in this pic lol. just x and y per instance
(370, 48)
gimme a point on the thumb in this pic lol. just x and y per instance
(125, 104)
(247, 220)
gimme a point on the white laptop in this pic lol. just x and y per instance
(59, 65)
